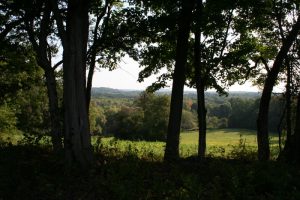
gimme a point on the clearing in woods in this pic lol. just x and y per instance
(220, 142)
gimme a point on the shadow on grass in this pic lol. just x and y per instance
(33, 172)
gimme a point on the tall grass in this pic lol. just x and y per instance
(226, 143)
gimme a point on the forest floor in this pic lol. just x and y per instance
(34, 172)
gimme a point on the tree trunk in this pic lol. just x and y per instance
(172, 143)
(94, 48)
(262, 120)
(56, 130)
(288, 147)
(200, 86)
(297, 133)
(287, 153)
(288, 103)
(76, 125)
(41, 49)
(201, 121)
(90, 82)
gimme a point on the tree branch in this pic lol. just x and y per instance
(57, 65)
(30, 31)
(95, 45)
(263, 61)
(9, 27)
(59, 21)
(278, 15)
(226, 35)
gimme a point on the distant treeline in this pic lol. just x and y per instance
(140, 115)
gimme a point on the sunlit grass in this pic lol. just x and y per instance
(220, 143)
(221, 137)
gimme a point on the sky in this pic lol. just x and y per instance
(126, 75)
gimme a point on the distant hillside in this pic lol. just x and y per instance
(124, 93)
(114, 93)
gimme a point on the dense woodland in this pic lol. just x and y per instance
(50, 50)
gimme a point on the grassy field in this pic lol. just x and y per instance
(225, 137)
(220, 143)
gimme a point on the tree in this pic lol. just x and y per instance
(172, 143)
(296, 146)
(217, 61)
(262, 120)
(200, 83)
(156, 113)
(188, 120)
(23, 98)
(145, 119)
(128, 123)
(97, 119)
(74, 37)
(34, 19)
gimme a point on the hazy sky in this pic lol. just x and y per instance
(125, 77)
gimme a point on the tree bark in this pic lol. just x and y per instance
(56, 129)
(287, 153)
(288, 103)
(90, 82)
(297, 133)
(262, 120)
(76, 125)
(200, 85)
(201, 120)
(172, 143)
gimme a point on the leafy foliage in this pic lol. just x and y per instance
(23, 98)
(146, 119)
(8, 119)
(97, 119)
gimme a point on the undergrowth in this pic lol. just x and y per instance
(30, 171)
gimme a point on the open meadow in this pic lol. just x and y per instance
(227, 143)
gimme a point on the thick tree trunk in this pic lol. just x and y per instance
(262, 120)
(172, 144)
(200, 86)
(76, 125)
